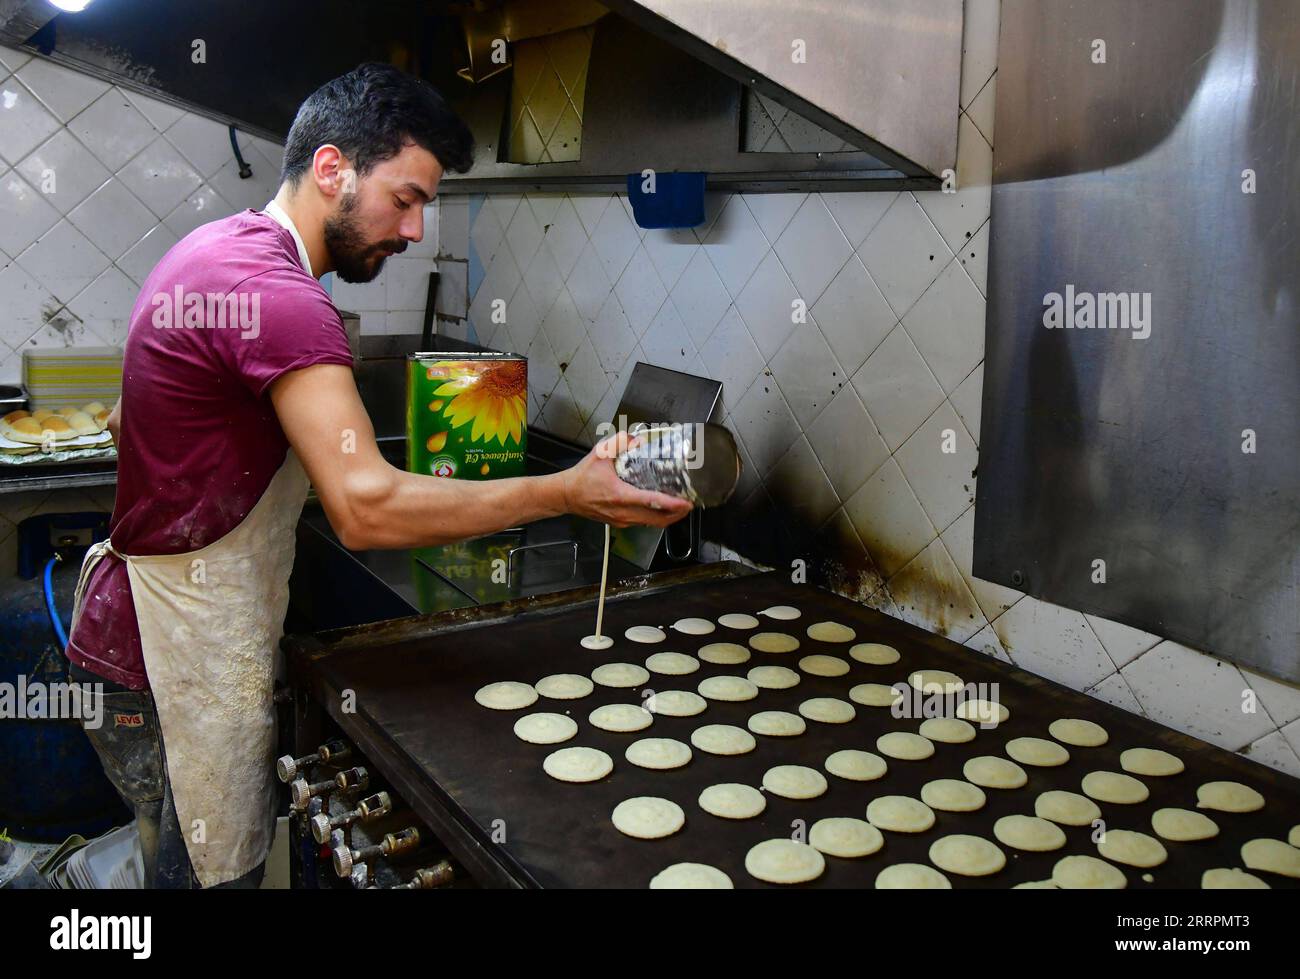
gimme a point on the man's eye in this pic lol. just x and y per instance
(401, 204)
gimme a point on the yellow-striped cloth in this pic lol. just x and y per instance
(72, 376)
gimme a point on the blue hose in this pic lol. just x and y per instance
(49, 604)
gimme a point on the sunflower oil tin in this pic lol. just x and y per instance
(466, 414)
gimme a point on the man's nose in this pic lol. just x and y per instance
(412, 226)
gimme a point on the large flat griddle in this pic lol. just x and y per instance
(462, 768)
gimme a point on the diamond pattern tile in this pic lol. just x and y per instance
(853, 315)
(735, 244)
(813, 249)
(807, 372)
(700, 297)
(904, 253)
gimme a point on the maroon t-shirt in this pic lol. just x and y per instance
(200, 440)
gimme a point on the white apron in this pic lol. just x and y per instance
(210, 625)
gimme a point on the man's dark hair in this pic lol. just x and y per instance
(370, 114)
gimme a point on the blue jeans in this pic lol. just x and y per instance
(130, 747)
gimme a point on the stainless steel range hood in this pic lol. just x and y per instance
(760, 94)
(883, 74)
(671, 84)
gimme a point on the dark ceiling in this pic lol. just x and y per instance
(256, 71)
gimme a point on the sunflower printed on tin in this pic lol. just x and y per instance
(466, 415)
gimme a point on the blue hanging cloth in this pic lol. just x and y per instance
(678, 200)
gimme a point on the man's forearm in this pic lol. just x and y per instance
(114, 423)
(398, 509)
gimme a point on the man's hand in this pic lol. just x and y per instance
(592, 489)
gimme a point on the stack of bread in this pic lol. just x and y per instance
(61, 425)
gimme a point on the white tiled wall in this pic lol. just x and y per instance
(840, 418)
(97, 183)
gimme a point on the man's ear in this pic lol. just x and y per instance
(332, 172)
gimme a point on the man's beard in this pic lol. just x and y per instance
(354, 260)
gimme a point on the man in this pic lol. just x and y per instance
(237, 389)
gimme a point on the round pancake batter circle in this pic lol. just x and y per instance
(875, 695)
(1132, 848)
(564, 686)
(690, 876)
(905, 746)
(911, 877)
(952, 795)
(737, 620)
(874, 654)
(596, 642)
(648, 817)
(985, 713)
(645, 633)
(506, 695)
(970, 856)
(794, 782)
(828, 710)
(578, 764)
(777, 724)
(692, 626)
(1066, 808)
(1082, 872)
(948, 730)
(820, 664)
(1037, 751)
(659, 754)
(729, 688)
(831, 632)
(723, 653)
(675, 703)
(1029, 833)
(855, 765)
(671, 664)
(992, 772)
(782, 612)
(1224, 878)
(545, 728)
(1274, 856)
(843, 836)
(732, 800)
(783, 861)
(723, 739)
(773, 642)
(899, 814)
(935, 681)
(773, 677)
(621, 675)
(1150, 761)
(1183, 825)
(1078, 733)
(1114, 788)
(620, 718)
(1228, 797)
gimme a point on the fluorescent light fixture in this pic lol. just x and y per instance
(71, 6)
